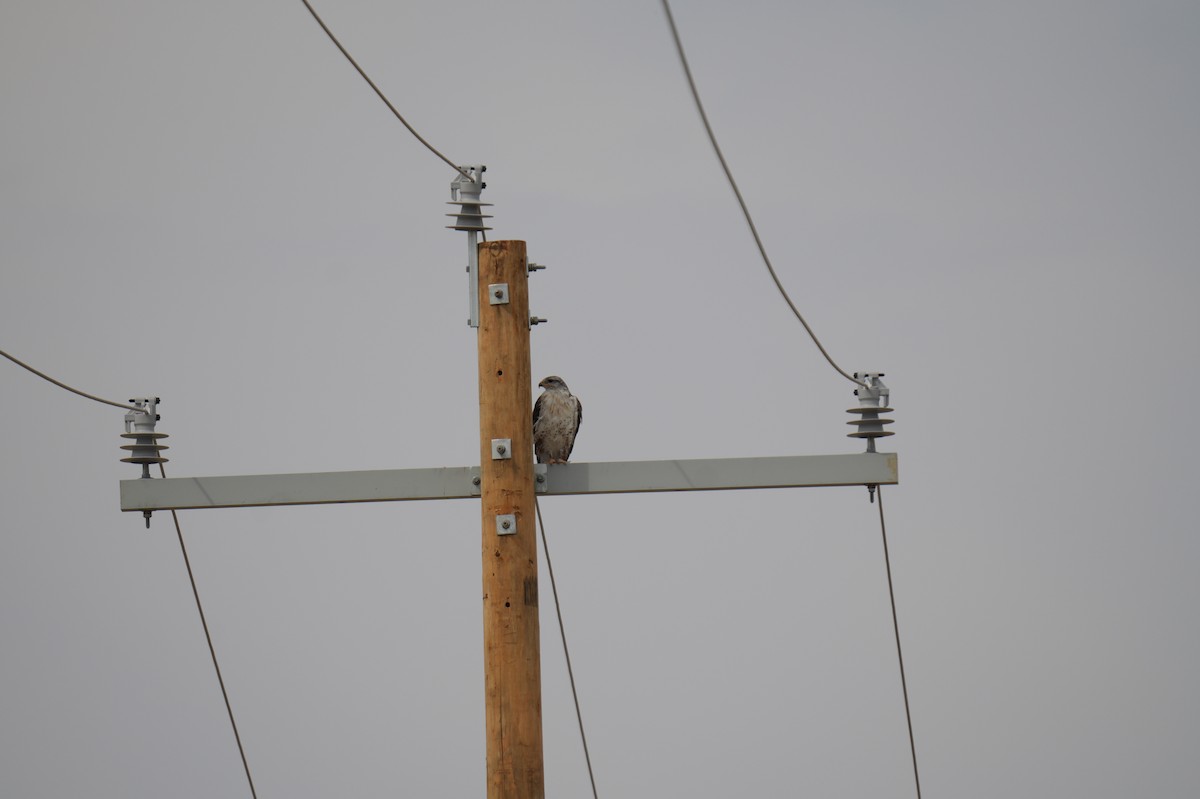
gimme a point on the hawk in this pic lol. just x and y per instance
(556, 417)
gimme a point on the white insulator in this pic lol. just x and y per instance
(469, 217)
(465, 193)
(139, 426)
(145, 448)
(870, 425)
(872, 401)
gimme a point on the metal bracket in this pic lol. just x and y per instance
(541, 482)
(498, 293)
(464, 192)
(501, 449)
(506, 524)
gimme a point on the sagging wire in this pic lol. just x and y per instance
(186, 560)
(379, 92)
(762, 250)
(60, 384)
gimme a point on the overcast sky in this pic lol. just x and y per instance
(994, 203)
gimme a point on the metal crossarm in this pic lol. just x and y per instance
(461, 482)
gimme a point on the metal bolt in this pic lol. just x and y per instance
(541, 478)
(501, 449)
(506, 524)
(475, 481)
(498, 293)
(537, 320)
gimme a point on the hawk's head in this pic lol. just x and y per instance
(554, 383)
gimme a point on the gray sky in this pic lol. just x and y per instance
(994, 203)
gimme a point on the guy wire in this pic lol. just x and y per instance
(899, 653)
(211, 649)
(566, 652)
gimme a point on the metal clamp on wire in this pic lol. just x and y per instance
(464, 192)
(145, 449)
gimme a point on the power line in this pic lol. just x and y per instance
(779, 285)
(211, 649)
(45, 376)
(382, 96)
(187, 562)
(899, 653)
(566, 652)
(762, 250)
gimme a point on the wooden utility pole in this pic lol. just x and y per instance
(511, 635)
(506, 481)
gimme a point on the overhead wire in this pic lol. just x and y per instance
(175, 515)
(562, 631)
(899, 652)
(541, 524)
(186, 560)
(762, 250)
(779, 285)
(379, 92)
(211, 649)
(60, 384)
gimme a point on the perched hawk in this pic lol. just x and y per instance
(556, 417)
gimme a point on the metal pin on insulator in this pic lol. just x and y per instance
(872, 401)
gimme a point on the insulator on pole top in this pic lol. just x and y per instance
(465, 194)
(872, 401)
